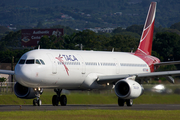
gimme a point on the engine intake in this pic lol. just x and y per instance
(23, 92)
(128, 89)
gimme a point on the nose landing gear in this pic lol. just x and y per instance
(37, 101)
(59, 98)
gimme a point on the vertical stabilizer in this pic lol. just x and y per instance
(145, 45)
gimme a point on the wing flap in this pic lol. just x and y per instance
(115, 78)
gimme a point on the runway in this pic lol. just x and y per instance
(88, 107)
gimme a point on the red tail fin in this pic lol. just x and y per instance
(145, 45)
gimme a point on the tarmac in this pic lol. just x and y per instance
(89, 107)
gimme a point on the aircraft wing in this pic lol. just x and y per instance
(167, 63)
(115, 78)
(10, 72)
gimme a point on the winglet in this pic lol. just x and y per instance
(145, 45)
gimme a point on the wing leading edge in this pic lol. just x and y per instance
(114, 78)
(167, 63)
(10, 72)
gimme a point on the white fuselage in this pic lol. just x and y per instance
(67, 69)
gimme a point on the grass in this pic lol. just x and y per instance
(91, 115)
(93, 98)
(75, 98)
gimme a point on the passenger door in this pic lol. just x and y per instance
(54, 63)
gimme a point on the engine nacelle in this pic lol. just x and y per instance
(24, 92)
(128, 89)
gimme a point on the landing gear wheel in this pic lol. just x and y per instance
(63, 100)
(34, 102)
(129, 102)
(55, 100)
(121, 102)
(59, 98)
(39, 102)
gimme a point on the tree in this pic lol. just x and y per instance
(166, 44)
(51, 42)
(88, 39)
(118, 30)
(69, 41)
(12, 39)
(175, 26)
(45, 42)
(135, 28)
(2, 46)
(3, 79)
(124, 43)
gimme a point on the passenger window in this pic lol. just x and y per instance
(22, 61)
(31, 61)
(37, 62)
(42, 62)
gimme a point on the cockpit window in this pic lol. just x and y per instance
(30, 61)
(37, 61)
(22, 61)
(42, 62)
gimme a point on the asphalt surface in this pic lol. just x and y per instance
(88, 107)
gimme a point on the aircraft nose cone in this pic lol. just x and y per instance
(22, 74)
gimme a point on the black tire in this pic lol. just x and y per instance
(121, 102)
(63, 100)
(55, 100)
(34, 102)
(129, 102)
(39, 102)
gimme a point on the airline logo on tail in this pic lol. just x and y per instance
(145, 45)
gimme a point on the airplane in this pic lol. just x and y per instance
(88, 70)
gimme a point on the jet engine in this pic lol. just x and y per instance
(24, 92)
(128, 89)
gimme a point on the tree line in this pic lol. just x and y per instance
(166, 43)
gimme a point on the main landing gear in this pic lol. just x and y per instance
(59, 98)
(37, 101)
(129, 102)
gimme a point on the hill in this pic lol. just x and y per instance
(85, 13)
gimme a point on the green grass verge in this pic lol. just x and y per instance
(91, 115)
(92, 98)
